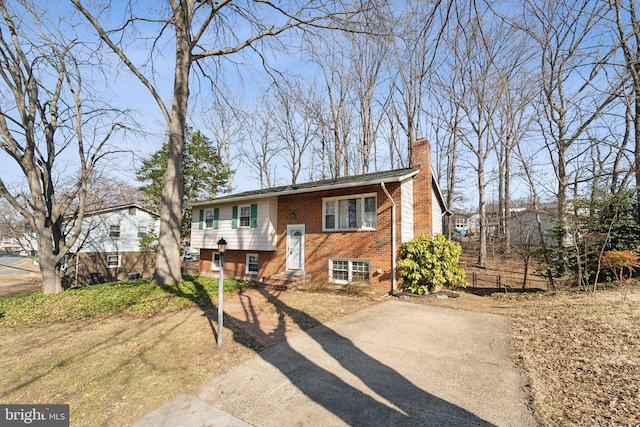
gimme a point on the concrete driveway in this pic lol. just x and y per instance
(393, 364)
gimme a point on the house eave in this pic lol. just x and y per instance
(305, 188)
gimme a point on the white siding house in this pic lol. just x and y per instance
(117, 229)
(249, 225)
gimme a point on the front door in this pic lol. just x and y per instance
(295, 247)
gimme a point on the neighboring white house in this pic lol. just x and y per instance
(9, 244)
(108, 247)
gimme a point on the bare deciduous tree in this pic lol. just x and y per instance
(49, 120)
(572, 68)
(261, 149)
(628, 26)
(293, 126)
(200, 32)
(420, 29)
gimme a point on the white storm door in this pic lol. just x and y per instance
(295, 247)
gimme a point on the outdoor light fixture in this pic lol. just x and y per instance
(293, 214)
(222, 246)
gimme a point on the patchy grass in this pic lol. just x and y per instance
(133, 298)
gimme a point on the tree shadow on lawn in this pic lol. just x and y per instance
(200, 296)
(399, 401)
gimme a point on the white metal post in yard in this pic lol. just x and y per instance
(222, 244)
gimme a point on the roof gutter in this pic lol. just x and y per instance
(303, 189)
(393, 240)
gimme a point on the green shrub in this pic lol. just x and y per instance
(427, 265)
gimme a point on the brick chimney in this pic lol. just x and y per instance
(422, 188)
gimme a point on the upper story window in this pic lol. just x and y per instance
(114, 231)
(350, 212)
(142, 231)
(245, 216)
(208, 218)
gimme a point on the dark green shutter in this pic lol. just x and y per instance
(234, 217)
(216, 217)
(254, 216)
(201, 222)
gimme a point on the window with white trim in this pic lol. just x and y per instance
(142, 231)
(215, 261)
(245, 216)
(113, 261)
(350, 213)
(114, 231)
(208, 218)
(348, 270)
(252, 264)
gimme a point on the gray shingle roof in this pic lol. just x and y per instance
(326, 184)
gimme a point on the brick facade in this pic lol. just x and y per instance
(423, 188)
(96, 262)
(306, 209)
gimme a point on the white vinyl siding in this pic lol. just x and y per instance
(437, 216)
(354, 212)
(115, 231)
(262, 237)
(406, 220)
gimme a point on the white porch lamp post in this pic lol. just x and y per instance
(222, 245)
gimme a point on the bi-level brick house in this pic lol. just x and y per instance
(340, 229)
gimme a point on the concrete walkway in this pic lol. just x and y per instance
(392, 364)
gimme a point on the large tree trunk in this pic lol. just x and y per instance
(51, 277)
(48, 259)
(562, 193)
(168, 261)
(636, 124)
(482, 211)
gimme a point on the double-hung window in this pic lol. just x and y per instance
(245, 216)
(215, 261)
(208, 218)
(350, 213)
(113, 261)
(348, 270)
(114, 231)
(252, 264)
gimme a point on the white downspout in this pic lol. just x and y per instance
(393, 240)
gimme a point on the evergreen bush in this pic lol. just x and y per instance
(429, 264)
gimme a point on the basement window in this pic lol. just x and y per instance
(349, 270)
(113, 261)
